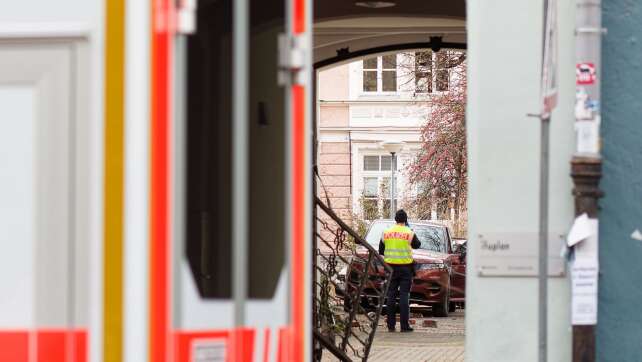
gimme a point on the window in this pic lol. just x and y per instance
(380, 74)
(371, 163)
(423, 72)
(378, 163)
(389, 73)
(370, 186)
(375, 200)
(386, 162)
(425, 82)
(370, 198)
(375, 195)
(208, 227)
(442, 72)
(370, 75)
(208, 161)
(385, 195)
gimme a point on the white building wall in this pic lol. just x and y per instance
(501, 315)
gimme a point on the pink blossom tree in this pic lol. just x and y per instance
(440, 169)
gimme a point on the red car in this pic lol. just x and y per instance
(440, 273)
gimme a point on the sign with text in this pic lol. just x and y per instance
(584, 276)
(515, 254)
(209, 350)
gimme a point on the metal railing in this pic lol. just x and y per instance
(350, 284)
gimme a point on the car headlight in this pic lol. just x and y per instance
(431, 266)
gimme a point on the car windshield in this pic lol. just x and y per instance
(431, 237)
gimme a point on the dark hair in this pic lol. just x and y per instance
(401, 217)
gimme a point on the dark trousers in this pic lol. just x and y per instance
(399, 284)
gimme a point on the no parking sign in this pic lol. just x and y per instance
(585, 74)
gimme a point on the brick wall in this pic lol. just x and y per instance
(334, 115)
(334, 168)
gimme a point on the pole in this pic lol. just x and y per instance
(586, 165)
(392, 185)
(549, 51)
(240, 166)
(543, 239)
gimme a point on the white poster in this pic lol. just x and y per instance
(588, 136)
(584, 274)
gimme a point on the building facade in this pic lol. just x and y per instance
(363, 104)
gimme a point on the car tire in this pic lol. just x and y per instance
(441, 309)
(452, 306)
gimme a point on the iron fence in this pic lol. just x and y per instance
(350, 285)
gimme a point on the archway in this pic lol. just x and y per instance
(341, 40)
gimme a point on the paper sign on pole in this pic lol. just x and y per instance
(584, 286)
(584, 270)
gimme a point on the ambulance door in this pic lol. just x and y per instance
(43, 237)
(240, 170)
(203, 185)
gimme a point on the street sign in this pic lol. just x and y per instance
(516, 254)
(585, 74)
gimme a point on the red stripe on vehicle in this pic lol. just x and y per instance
(49, 345)
(61, 345)
(282, 347)
(243, 345)
(14, 346)
(52, 346)
(298, 222)
(299, 16)
(266, 345)
(80, 346)
(159, 329)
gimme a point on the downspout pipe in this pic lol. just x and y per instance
(586, 165)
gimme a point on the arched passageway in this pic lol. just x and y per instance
(340, 39)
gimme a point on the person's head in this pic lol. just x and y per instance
(401, 217)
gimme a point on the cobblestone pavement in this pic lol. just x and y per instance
(443, 343)
(428, 343)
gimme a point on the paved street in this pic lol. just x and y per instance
(434, 340)
(445, 343)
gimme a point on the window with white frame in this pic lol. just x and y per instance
(370, 200)
(431, 71)
(375, 200)
(377, 163)
(380, 74)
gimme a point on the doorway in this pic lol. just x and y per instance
(374, 77)
(364, 105)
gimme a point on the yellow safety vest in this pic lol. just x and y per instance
(397, 241)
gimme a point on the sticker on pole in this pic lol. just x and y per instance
(208, 350)
(585, 74)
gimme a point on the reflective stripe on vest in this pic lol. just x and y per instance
(397, 242)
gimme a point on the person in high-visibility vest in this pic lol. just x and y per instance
(396, 246)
